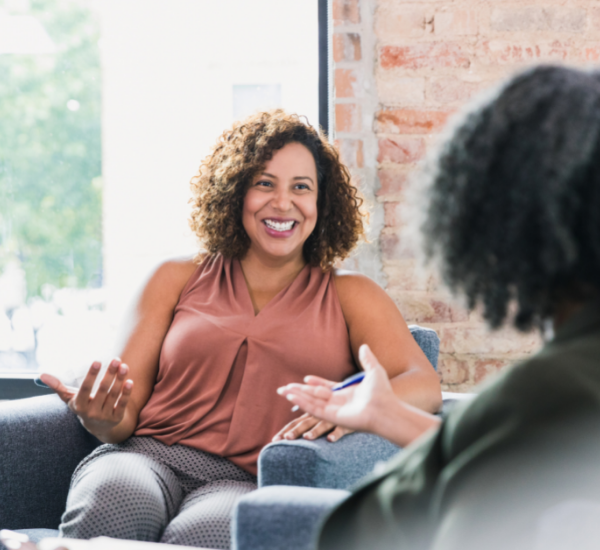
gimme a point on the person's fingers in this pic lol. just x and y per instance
(367, 359)
(83, 395)
(318, 430)
(64, 392)
(312, 380)
(289, 426)
(338, 433)
(301, 428)
(119, 410)
(304, 389)
(312, 405)
(105, 384)
(116, 389)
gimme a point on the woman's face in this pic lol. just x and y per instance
(280, 207)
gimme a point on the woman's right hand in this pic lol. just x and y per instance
(101, 412)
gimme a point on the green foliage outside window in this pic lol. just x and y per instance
(50, 155)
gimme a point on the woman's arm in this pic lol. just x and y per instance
(374, 319)
(112, 413)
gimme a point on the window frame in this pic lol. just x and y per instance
(20, 386)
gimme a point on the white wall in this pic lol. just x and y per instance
(168, 71)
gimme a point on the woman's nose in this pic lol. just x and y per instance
(282, 200)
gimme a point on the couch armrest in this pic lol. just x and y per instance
(320, 463)
(273, 518)
(428, 341)
(42, 443)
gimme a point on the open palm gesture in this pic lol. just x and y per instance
(356, 407)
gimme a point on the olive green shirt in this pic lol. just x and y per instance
(499, 468)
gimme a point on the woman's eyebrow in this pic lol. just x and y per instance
(304, 178)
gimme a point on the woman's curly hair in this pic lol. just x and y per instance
(219, 188)
(514, 211)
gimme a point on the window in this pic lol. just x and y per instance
(107, 110)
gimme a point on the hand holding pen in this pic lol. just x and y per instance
(350, 381)
(354, 403)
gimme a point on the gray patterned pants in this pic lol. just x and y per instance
(142, 489)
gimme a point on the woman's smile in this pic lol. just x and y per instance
(280, 206)
(280, 228)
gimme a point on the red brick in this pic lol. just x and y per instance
(345, 83)
(396, 19)
(347, 117)
(351, 152)
(394, 90)
(409, 121)
(346, 47)
(433, 55)
(591, 53)
(404, 275)
(423, 307)
(451, 90)
(395, 248)
(498, 51)
(346, 12)
(392, 183)
(538, 18)
(452, 369)
(401, 150)
(593, 29)
(485, 367)
(558, 50)
(478, 339)
(392, 214)
(456, 23)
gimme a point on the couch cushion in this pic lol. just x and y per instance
(320, 463)
(278, 517)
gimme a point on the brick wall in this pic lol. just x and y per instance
(401, 68)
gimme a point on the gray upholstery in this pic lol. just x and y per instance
(428, 341)
(321, 463)
(281, 517)
(42, 443)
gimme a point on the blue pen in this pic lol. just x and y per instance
(350, 381)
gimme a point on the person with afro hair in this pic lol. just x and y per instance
(513, 221)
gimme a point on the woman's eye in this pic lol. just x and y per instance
(263, 183)
(302, 186)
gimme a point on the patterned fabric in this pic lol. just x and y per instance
(142, 489)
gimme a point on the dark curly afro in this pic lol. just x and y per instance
(219, 188)
(514, 211)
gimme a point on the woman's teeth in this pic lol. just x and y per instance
(277, 226)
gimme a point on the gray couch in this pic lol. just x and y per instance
(299, 481)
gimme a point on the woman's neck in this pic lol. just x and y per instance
(265, 279)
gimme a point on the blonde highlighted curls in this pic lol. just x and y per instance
(219, 188)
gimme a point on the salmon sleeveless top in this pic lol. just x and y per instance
(220, 364)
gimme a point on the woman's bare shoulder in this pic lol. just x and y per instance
(168, 280)
(348, 283)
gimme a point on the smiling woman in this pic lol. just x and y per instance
(280, 207)
(240, 155)
(194, 389)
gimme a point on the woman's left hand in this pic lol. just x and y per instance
(309, 427)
